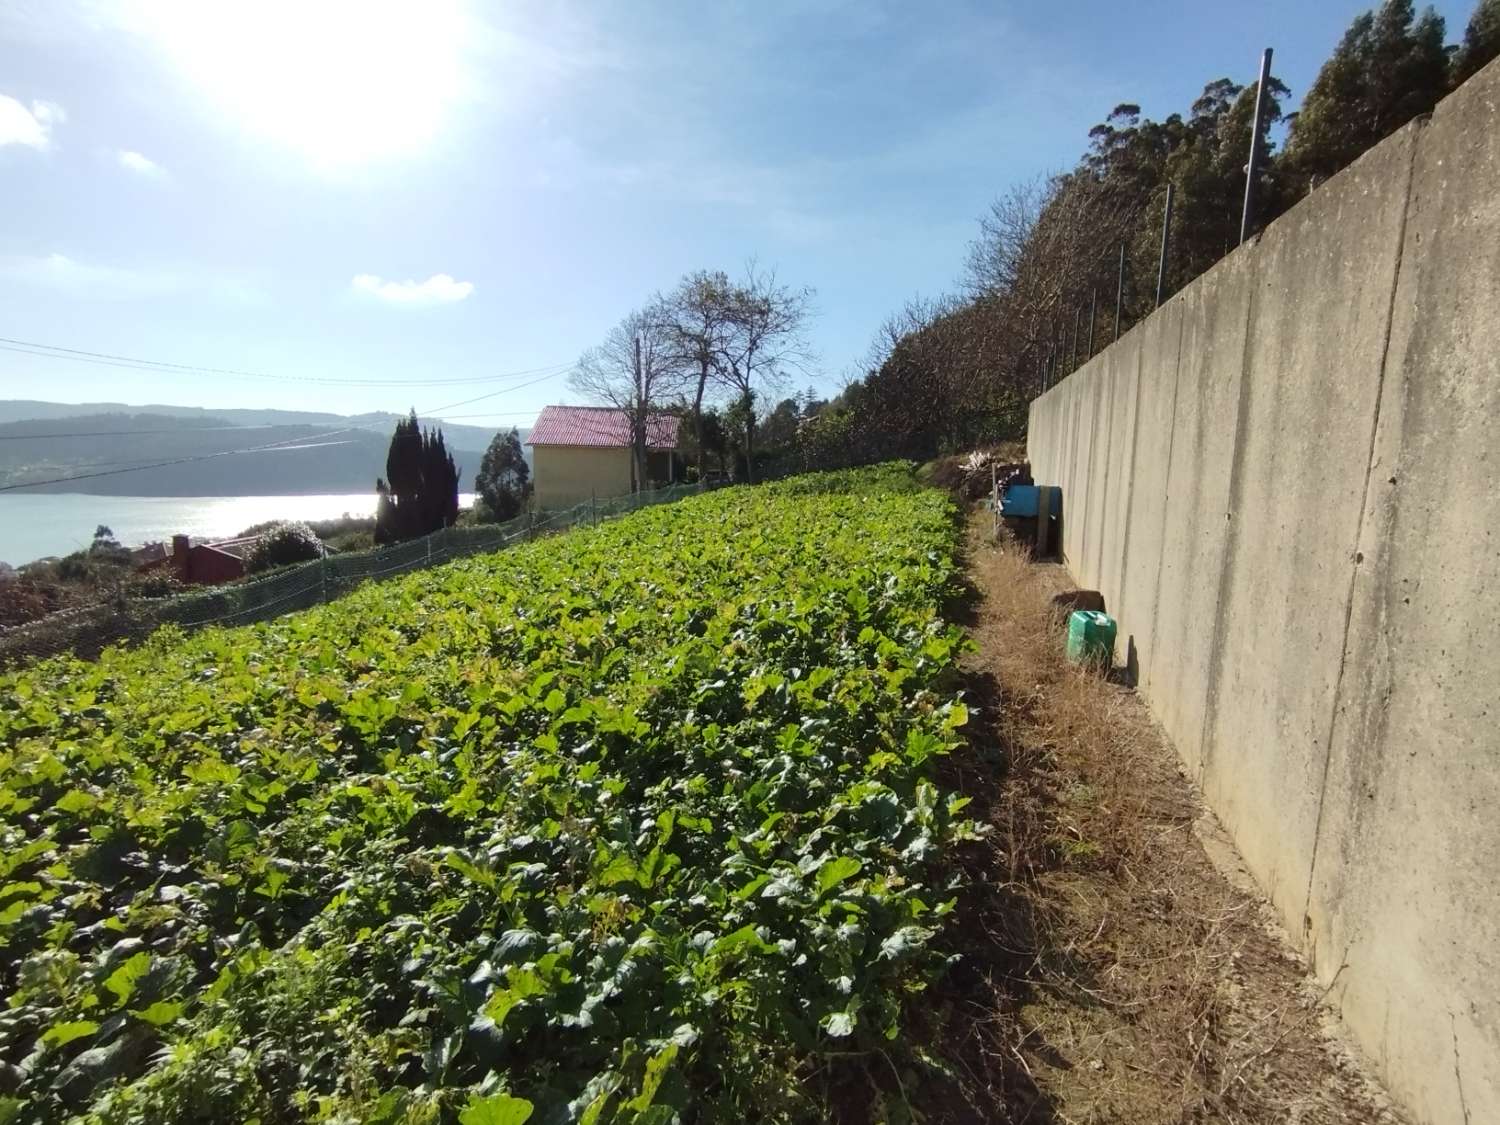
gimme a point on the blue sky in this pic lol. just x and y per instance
(452, 190)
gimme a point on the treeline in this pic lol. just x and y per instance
(1039, 284)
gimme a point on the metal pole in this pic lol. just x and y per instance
(995, 498)
(1166, 241)
(1073, 351)
(1120, 292)
(1252, 170)
(1093, 308)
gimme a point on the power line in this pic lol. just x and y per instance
(108, 359)
(285, 445)
(133, 433)
(306, 441)
(491, 414)
(492, 394)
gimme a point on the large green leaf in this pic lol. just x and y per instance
(497, 1109)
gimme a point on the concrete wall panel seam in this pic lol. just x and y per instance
(1161, 541)
(1365, 507)
(1236, 496)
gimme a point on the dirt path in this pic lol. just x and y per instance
(1113, 972)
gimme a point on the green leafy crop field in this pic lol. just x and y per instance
(635, 824)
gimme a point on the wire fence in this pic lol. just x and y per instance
(89, 629)
(1060, 354)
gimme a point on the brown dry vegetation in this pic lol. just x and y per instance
(1111, 971)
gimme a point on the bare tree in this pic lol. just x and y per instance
(996, 256)
(917, 314)
(765, 342)
(634, 370)
(696, 317)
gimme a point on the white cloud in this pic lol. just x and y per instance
(31, 127)
(439, 289)
(141, 165)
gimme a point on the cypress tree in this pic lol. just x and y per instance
(419, 492)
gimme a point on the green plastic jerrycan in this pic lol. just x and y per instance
(1091, 637)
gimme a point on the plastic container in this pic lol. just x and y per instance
(1091, 637)
(1018, 500)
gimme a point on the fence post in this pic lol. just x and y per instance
(995, 497)
(1120, 292)
(1166, 241)
(1252, 170)
(1093, 308)
(323, 579)
(593, 514)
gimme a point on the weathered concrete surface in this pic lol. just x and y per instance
(1109, 559)
(1327, 275)
(1215, 313)
(1405, 886)
(1308, 569)
(1157, 343)
(1076, 494)
(1093, 530)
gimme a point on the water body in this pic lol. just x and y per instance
(34, 526)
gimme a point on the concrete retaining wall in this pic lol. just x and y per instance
(1286, 483)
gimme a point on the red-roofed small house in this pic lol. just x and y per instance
(580, 452)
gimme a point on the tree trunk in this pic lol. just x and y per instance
(698, 418)
(750, 447)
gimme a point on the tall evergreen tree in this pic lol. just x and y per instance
(422, 493)
(1390, 67)
(1481, 41)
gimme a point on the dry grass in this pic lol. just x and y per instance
(1112, 973)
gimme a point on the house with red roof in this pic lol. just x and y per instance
(579, 452)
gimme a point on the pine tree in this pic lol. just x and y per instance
(422, 493)
(1390, 67)
(1481, 41)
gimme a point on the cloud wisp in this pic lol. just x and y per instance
(140, 164)
(97, 280)
(439, 289)
(30, 126)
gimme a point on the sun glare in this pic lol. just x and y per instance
(342, 81)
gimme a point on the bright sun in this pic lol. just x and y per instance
(342, 81)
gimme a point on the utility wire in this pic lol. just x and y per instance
(108, 359)
(492, 394)
(277, 425)
(286, 445)
(306, 441)
(133, 433)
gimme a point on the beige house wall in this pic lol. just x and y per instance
(569, 474)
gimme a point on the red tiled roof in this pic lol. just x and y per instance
(600, 426)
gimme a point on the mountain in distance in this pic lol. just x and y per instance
(315, 452)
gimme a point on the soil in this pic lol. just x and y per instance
(1118, 964)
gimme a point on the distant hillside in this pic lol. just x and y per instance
(316, 452)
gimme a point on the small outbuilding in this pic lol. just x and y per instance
(579, 452)
(200, 564)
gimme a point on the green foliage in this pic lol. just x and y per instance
(1481, 42)
(504, 479)
(635, 824)
(1390, 66)
(422, 495)
(283, 544)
